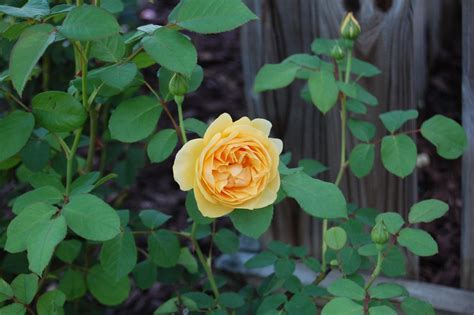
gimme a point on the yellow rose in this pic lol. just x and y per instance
(234, 166)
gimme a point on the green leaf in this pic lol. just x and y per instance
(110, 49)
(418, 242)
(196, 126)
(201, 299)
(275, 76)
(118, 76)
(88, 22)
(162, 145)
(45, 194)
(21, 226)
(91, 218)
(355, 106)
(42, 240)
(168, 307)
(193, 210)
(349, 260)
(368, 250)
(318, 198)
(394, 264)
(32, 9)
(211, 16)
(361, 159)
(252, 223)
(72, 284)
(307, 64)
(6, 292)
(145, 274)
(153, 218)
(387, 291)
(324, 90)
(15, 130)
(347, 288)
(312, 263)
(105, 288)
(412, 306)
(226, 241)
(427, 211)
(381, 310)
(279, 248)
(358, 92)
(312, 167)
(342, 305)
(230, 300)
(362, 130)
(284, 267)
(323, 46)
(113, 6)
(446, 134)
(86, 183)
(13, 309)
(361, 68)
(118, 256)
(399, 155)
(172, 50)
(25, 287)
(58, 111)
(164, 248)
(68, 250)
(300, 305)
(261, 260)
(51, 303)
(134, 119)
(335, 238)
(35, 155)
(392, 220)
(271, 303)
(395, 119)
(27, 51)
(187, 260)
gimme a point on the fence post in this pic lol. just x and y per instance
(467, 232)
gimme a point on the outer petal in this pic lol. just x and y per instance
(184, 167)
(209, 209)
(278, 145)
(263, 125)
(218, 125)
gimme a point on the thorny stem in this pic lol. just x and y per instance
(15, 99)
(165, 108)
(376, 271)
(204, 263)
(93, 124)
(342, 165)
(179, 102)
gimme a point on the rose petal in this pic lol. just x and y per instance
(278, 145)
(184, 167)
(263, 125)
(218, 125)
(209, 209)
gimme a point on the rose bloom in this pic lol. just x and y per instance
(234, 166)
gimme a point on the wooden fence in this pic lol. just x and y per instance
(397, 36)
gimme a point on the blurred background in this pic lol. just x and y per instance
(418, 46)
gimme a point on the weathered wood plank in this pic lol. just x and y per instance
(445, 299)
(393, 38)
(467, 233)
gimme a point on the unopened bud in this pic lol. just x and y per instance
(350, 28)
(379, 233)
(178, 85)
(337, 53)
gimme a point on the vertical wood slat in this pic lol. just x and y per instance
(392, 40)
(467, 232)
